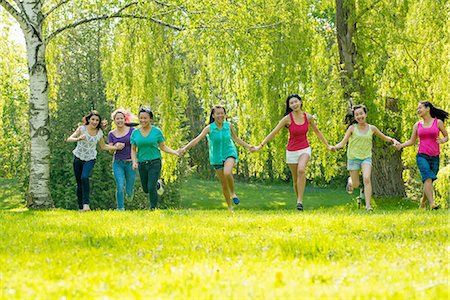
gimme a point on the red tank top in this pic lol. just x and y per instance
(298, 134)
(428, 144)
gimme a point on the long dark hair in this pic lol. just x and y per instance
(217, 106)
(435, 112)
(89, 116)
(350, 117)
(288, 109)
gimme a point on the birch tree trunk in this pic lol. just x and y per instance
(30, 17)
(38, 192)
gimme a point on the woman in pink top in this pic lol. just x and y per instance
(427, 157)
(298, 151)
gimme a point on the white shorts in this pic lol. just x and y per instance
(293, 156)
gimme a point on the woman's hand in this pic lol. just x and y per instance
(119, 146)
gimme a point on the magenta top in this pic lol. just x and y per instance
(428, 144)
(298, 134)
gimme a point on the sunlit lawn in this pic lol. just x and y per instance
(265, 249)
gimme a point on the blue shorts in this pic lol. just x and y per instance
(355, 164)
(220, 167)
(428, 166)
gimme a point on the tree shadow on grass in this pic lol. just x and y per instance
(11, 196)
(207, 195)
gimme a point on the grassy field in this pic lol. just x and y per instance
(265, 249)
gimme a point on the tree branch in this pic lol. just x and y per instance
(264, 26)
(105, 17)
(14, 12)
(55, 8)
(369, 8)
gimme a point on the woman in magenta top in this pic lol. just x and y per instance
(427, 158)
(298, 151)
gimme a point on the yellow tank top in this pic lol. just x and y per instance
(360, 145)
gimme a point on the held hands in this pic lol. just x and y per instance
(331, 148)
(254, 149)
(135, 165)
(395, 143)
(119, 146)
(181, 151)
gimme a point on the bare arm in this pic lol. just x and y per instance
(133, 156)
(104, 146)
(167, 149)
(344, 141)
(412, 139)
(195, 141)
(238, 140)
(383, 136)
(316, 130)
(442, 128)
(76, 136)
(283, 122)
(111, 144)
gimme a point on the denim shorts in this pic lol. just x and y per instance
(355, 164)
(220, 167)
(428, 166)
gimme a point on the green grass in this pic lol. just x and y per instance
(265, 249)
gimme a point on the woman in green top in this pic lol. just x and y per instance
(145, 145)
(222, 151)
(359, 151)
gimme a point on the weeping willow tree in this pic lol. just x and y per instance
(247, 56)
(250, 55)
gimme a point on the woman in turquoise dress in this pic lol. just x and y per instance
(223, 155)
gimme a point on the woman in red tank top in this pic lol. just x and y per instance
(298, 151)
(427, 158)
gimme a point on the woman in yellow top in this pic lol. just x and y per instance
(359, 151)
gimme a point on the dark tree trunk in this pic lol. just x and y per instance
(387, 164)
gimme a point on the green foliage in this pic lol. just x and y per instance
(248, 56)
(442, 187)
(14, 133)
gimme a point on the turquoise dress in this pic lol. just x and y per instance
(221, 146)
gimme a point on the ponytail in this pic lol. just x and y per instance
(435, 112)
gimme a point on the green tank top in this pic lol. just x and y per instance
(221, 146)
(360, 145)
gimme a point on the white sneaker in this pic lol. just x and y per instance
(159, 187)
(349, 185)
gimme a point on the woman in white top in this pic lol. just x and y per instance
(87, 136)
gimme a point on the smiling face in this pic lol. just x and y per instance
(295, 104)
(144, 119)
(119, 120)
(219, 114)
(93, 121)
(360, 115)
(422, 110)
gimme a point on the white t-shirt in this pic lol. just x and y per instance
(87, 149)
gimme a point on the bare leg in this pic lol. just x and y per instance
(301, 176)
(228, 173)
(354, 175)
(423, 201)
(225, 189)
(293, 168)
(428, 191)
(367, 174)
